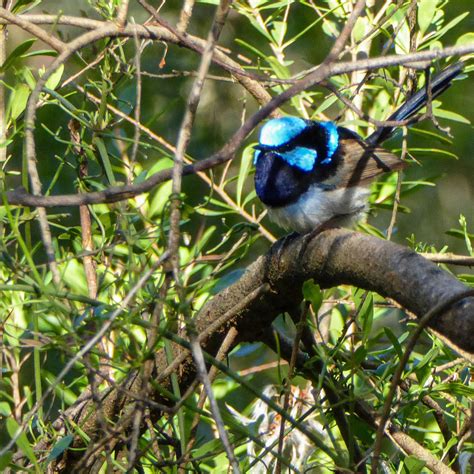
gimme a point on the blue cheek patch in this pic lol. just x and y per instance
(300, 157)
(255, 156)
(332, 140)
(279, 131)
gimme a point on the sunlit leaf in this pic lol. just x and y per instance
(16, 54)
(22, 441)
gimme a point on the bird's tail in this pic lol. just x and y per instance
(417, 101)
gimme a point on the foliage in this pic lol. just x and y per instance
(109, 116)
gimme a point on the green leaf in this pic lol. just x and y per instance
(450, 25)
(55, 78)
(41, 52)
(447, 114)
(467, 238)
(105, 161)
(18, 100)
(426, 12)
(227, 280)
(467, 38)
(393, 339)
(16, 54)
(251, 195)
(159, 199)
(434, 151)
(23, 6)
(312, 293)
(245, 164)
(22, 441)
(5, 460)
(5, 409)
(325, 105)
(60, 447)
(366, 316)
(301, 33)
(278, 31)
(413, 465)
(455, 388)
(360, 28)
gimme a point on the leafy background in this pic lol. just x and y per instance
(43, 328)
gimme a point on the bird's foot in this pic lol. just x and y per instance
(332, 223)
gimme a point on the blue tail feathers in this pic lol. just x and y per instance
(416, 102)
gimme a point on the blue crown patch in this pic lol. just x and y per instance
(332, 140)
(277, 132)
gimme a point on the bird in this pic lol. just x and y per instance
(313, 175)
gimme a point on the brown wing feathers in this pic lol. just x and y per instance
(362, 162)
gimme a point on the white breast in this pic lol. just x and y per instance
(318, 205)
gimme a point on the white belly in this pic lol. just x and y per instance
(317, 206)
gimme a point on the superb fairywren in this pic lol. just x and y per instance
(312, 175)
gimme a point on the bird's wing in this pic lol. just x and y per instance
(362, 163)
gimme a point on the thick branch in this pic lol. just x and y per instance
(340, 257)
(332, 258)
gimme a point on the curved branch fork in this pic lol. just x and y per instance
(338, 257)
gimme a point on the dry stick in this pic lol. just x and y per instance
(86, 348)
(136, 115)
(118, 193)
(31, 28)
(411, 87)
(448, 365)
(398, 189)
(186, 127)
(185, 15)
(3, 125)
(248, 80)
(294, 353)
(449, 258)
(405, 442)
(226, 346)
(175, 217)
(341, 41)
(122, 13)
(169, 34)
(361, 114)
(436, 311)
(332, 261)
(32, 170)
(92, 24)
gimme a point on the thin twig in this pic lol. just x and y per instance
(341, 41)
(398, 189)
(449, 258)
(137, 111)
(294, 353)
(122, 13)
(221, 354)
(31, 28)
(185, 15)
